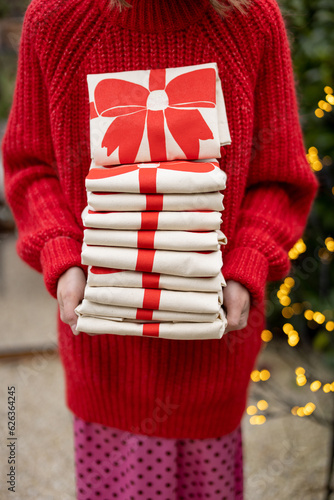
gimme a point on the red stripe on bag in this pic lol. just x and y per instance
(151, 298)
(157, 79)
(144, 314)
(150, 280)
(156, 135)
(145, 259)
(147, 179)
(154, 202)
(104, 270)
(145, 239)
(149, 220)
(151, 329)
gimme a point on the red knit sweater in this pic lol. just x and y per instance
(152, 386)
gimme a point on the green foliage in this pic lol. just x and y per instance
(4, 8)
(7, 81)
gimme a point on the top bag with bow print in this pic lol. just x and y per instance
(157, 115)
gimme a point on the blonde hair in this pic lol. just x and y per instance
(220, 6)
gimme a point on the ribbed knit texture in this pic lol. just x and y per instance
(121, 381)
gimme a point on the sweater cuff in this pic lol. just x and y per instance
(58, 255)
(250, 268)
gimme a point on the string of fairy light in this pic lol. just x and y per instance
(289, 309)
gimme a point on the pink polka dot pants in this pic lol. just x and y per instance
(112, 463)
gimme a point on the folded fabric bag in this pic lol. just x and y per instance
(103, 276)
(121, 313)
(163, 240)
(183, 221)
(134, 202)
(173, 113)
(163, 177)
(177, 331)
(203, 264)
(165, 300)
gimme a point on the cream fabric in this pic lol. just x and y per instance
(119, 313)
(167, 330)
(183, 177)
(156, 261)
(163, 240)
(98, 276)
(183, 221)
(165, 300)
(134, 202)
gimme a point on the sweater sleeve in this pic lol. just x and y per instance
(49, 239)
(280, 187)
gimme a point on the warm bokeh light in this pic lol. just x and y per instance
(299, 247)
(309, 408)
(301, 380)
(330, 326)
(262, 405)
(290, 282)
(308, 314)
(293, 339)
(300, 412)
(315, 386)
(285, 301)
(251, 410)
(266, 335)
(257, 420)
(329, 242)
(287, 312)
(287, 327)
(300, 371)
(318, 317)
(255, 376)
(330, 99)
(264, 375)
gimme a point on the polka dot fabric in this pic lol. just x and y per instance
(112, 463)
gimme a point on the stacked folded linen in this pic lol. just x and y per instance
(186, 221)
(197, 264)
(150, 298)
(167, 330)
(133, 202)
(103, 276)
(174, 177)
(119, 313)
(162, 240)
(153, 220)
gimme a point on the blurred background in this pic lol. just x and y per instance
(289, 424)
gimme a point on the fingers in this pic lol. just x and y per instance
(70, 292)
(236, 322)
(236, 304)
(69, 301)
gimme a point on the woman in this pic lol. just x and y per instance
(134, 396)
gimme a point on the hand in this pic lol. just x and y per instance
(70, 292)
(236, 302)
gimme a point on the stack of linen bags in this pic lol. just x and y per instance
(152, 224)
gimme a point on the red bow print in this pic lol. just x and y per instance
(161, 105)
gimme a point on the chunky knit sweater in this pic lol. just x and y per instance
(168, 388)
